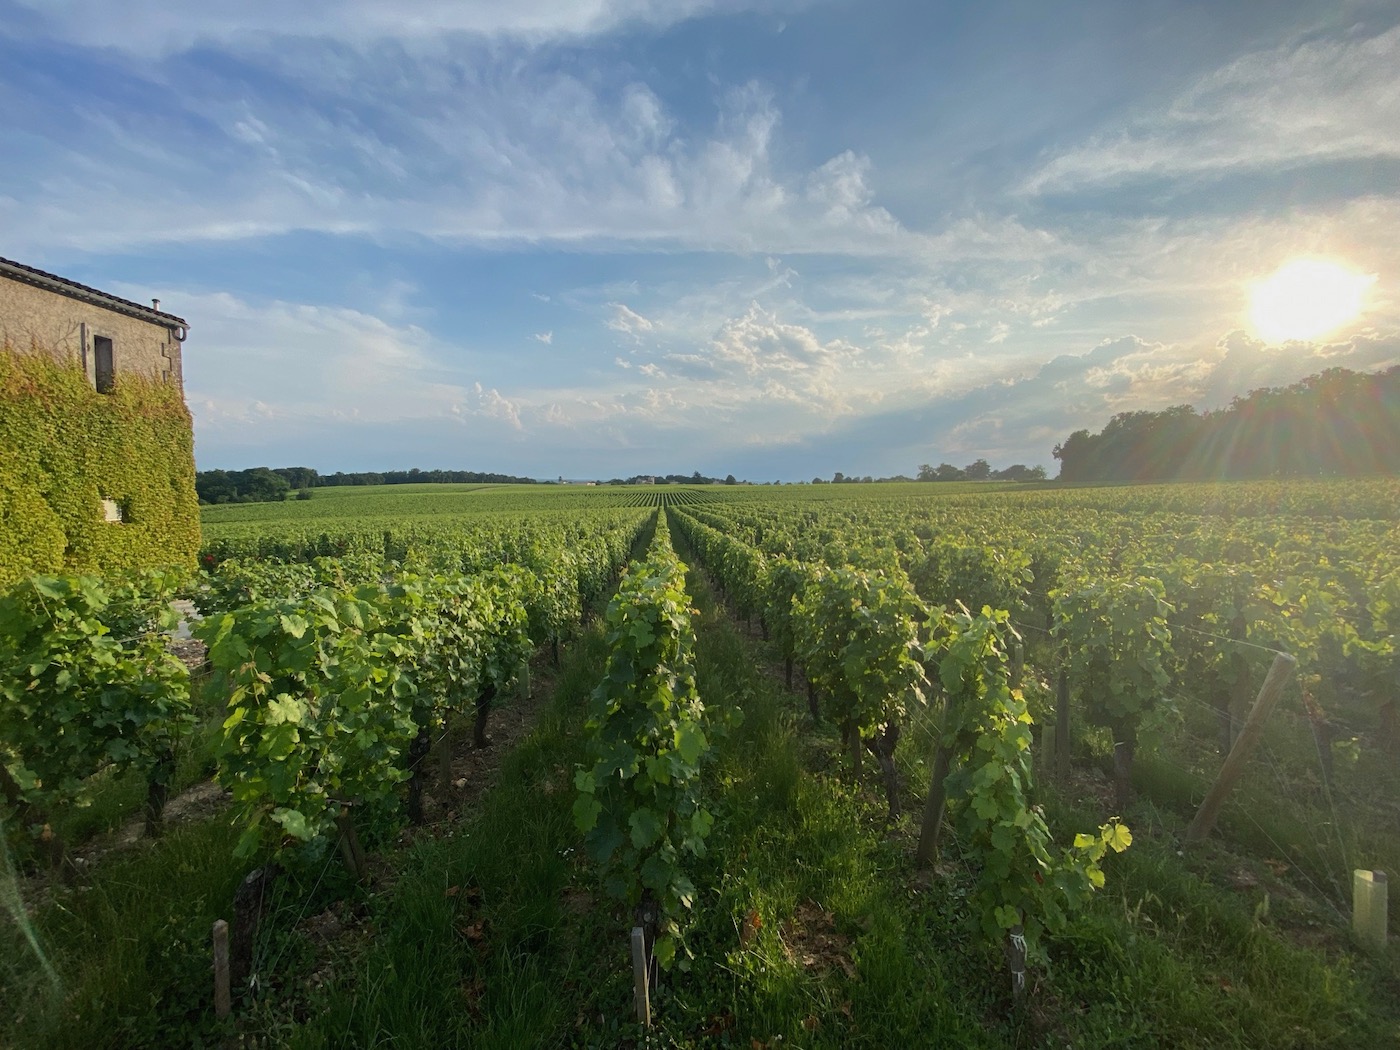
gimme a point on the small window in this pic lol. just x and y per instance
(112, 511)
(102, 359)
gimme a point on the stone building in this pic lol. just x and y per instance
(106, 335)
(96, 442)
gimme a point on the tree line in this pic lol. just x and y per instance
(1338, 422)
(270, 484)
(980, 470)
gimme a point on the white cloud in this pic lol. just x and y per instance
(841, 191)
(479, 146)
(630, 323)
(293, 369)
(489, 403)
(758, 343)
(547, 338)
(1309, 101)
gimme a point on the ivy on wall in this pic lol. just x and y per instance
(64, 448)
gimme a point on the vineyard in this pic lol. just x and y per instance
(865, 765)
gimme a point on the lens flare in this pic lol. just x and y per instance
(1306, 299)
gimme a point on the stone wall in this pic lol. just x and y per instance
(65, 327)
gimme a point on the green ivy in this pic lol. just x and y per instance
(64, 448)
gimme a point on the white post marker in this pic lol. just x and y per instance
(1369, 907)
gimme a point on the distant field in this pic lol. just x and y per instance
(1356, 499)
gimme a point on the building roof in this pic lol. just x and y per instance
(63, 286)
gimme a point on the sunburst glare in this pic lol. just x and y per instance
(1305, 299)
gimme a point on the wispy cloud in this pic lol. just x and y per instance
(152, 27)
(630, 323)
(478, 148)
(350, 368)
(1308, 102)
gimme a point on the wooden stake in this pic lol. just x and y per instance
(417, 752)
(223, 996)
(1062, 727)
(1048, 738)
(445, 757)
(1244, 745)
(1369, 907)
(641, 993)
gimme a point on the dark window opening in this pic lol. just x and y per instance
(102, 359)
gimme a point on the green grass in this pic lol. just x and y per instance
(129, 947)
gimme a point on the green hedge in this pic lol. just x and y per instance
(64, 448)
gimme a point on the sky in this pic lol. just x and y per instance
(773, 238)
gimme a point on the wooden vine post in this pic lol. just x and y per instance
(445, 756)
(1061, 735)
(223, 994)
(1243, 747)
(641, 977)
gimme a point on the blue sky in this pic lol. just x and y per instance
(778, 239)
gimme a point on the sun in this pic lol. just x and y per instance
(1305, 299)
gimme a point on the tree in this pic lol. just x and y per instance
(298, 477)
(1078, 457)
(260, 485)
(927, 473)
(729, 479)
(1019, 472)
(980, 470)
(215, 486)
(948, 472)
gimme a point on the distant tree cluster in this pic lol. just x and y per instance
(1337, 423)
(269, 484)
(256, 485)
(674, 479)
(980, 470)
(841, 479)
